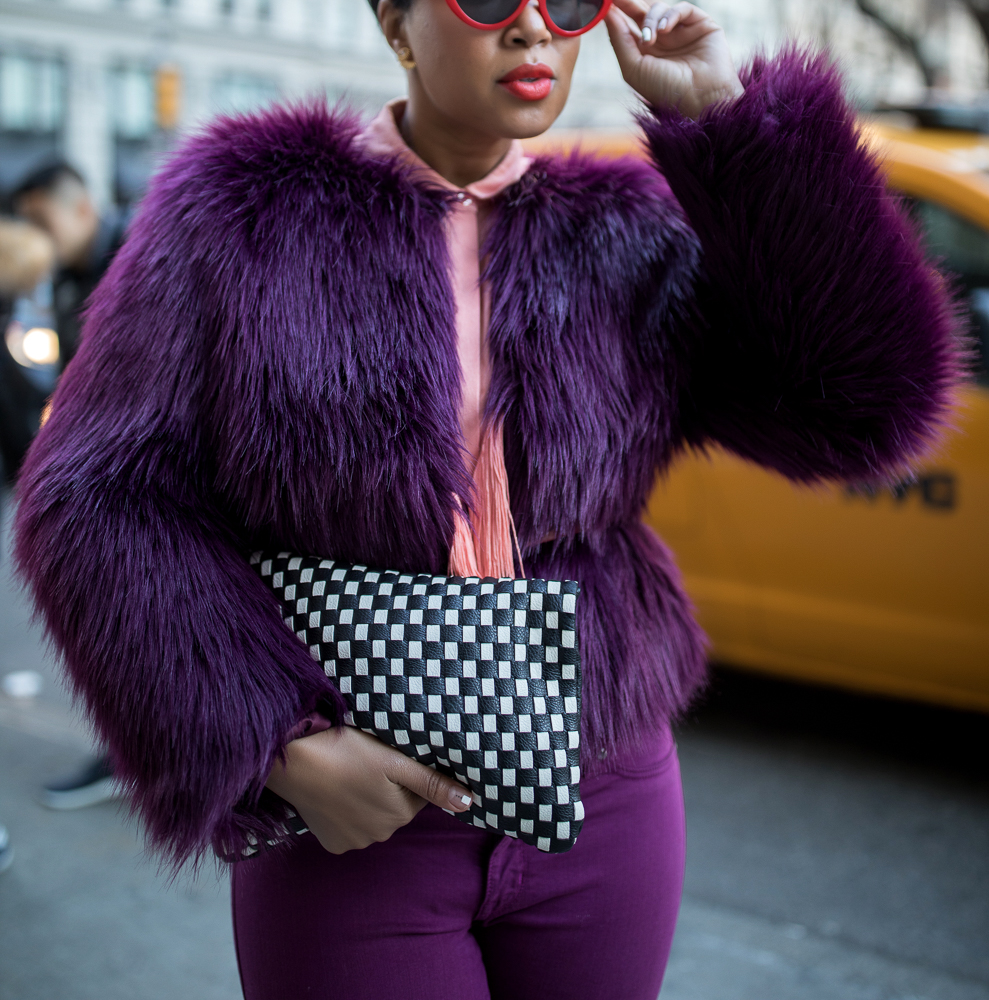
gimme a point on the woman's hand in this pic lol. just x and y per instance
(679, 57)
(353, 790)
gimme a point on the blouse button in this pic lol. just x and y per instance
(460, 196)
(603, 753)
(468, 201)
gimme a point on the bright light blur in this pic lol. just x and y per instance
(40, 346)
(32, 348)
(23, 684)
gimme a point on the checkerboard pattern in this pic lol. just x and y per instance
(479, 678)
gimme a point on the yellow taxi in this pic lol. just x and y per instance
(885, 591)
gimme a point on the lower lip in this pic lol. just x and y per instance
(529, 90)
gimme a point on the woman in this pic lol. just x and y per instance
(318, 331)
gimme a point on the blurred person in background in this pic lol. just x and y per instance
(27, 255)
(322, 333)
(54, 198)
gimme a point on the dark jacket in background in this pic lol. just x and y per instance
(73, 286)
(21, 402)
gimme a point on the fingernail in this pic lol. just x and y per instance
(663, 22)
(459, 800)
(647, 34)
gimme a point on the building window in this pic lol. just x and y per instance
(240, 92)
(31, 93)
(133, 96)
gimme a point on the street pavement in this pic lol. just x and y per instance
(838, 849)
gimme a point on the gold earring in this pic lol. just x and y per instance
(403, 55)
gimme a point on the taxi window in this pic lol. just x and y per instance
(963, 248)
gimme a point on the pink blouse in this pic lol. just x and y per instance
(485, 547)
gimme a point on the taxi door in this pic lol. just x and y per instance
(882, 590)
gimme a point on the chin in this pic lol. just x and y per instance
(531, 119)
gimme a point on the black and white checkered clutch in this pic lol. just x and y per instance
(479, 678)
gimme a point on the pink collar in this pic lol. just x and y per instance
(382, 137)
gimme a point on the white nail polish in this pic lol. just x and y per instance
(663, 21)
(647, 34)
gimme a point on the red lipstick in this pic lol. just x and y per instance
(530, 81)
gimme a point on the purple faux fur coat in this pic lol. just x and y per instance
(271, 361)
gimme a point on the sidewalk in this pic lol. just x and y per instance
(799, 857)
(83, 915)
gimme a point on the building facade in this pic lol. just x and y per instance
(111, 84)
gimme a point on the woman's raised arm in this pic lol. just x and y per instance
(819, 341)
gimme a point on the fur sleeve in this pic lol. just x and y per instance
(178, 649)
(820, 341)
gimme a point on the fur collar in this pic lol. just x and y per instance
(335, 424)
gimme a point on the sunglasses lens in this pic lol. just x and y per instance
(573, 15)
(488, 11)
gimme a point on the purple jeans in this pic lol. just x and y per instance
(444, 911)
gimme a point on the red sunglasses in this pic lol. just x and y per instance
(562, 17)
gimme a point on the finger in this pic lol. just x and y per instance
(659, 15)
(623, 41)
(635, 9)
(339, 844)
(682, 14)
(429, 784)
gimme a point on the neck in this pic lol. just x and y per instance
(459, 154)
